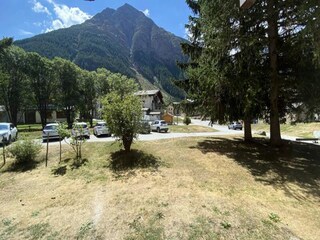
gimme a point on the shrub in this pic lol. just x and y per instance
(25, 151)
(187, 120)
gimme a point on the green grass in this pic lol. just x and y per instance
(33, 131)
(32, 135)
(29, 127)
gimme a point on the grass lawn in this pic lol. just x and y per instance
(29, 127)
(33, 131)
(299, 130)
(192, 188)
(190, 129)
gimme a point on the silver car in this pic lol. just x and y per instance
(8, 133)
(80, 130)
(235, 125)
(50, 131)
(100, 129)
(159, 126)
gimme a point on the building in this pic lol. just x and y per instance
(174, 109)
(152, 104)
(168, 118)
(32, 116)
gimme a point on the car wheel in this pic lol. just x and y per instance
(158, 130)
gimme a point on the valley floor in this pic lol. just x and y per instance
(187, 188)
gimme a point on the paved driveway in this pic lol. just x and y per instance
(222, 131)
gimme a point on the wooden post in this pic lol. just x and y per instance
(4, 153)
(47, 149)
(60, 149)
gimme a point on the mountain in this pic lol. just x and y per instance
(122, 40)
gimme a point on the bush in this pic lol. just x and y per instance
(25, 151)
(187, 120)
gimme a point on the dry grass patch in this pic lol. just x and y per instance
(299, 130)
(195, 188)
(190, 129)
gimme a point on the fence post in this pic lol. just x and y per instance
(47, 149)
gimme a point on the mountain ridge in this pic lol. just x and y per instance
(122, 40)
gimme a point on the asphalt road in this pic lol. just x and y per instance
(222, 131)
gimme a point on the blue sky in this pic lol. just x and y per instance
(25, 18)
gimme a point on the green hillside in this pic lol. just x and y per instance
(122, 40)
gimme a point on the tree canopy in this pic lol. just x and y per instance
(241, 58)
(122, 110)
(30, 82)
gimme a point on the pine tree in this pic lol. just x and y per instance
(247, 56)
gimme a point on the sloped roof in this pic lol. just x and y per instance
(155, 92)
(148, 92)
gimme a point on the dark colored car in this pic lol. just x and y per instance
(145, 127)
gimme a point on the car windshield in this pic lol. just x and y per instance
(163, 122)
(4, 127)
(51, 127)
(101, 124)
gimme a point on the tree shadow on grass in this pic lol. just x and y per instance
(122, 161)
(59, 170)
(293, 163)
(22, 167)
(66, 164)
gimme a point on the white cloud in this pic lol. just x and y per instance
(24, 32)
(66, 16)
(39, 8)
(146, 12)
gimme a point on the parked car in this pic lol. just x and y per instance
(80, 130)
(8, 133)
(50, 131)
(159, 125)
(145, 127)
(100, 129)
(235, 125)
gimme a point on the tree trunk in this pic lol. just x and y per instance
(68, 115)
(127, 141)
(247, 130)
(91, 118)
(43, 114)
(13, 116)
(275, 135)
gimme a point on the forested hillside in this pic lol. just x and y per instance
(122, 40)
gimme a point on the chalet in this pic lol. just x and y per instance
(152, 104)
